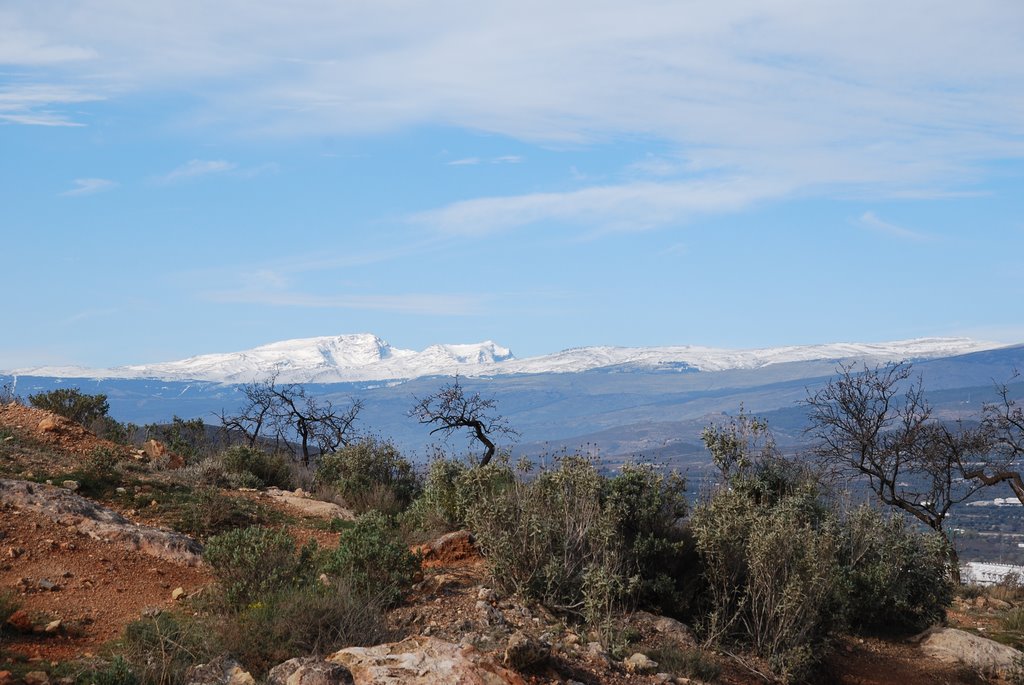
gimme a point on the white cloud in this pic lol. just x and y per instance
(31, 48)
(630, 206)
(472, 161)
(259, 170)
(88, 186)
(39, 104)
(197, 167)
(875, 96)
(873, 222)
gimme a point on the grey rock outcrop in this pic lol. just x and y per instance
(309, 670)
(423, 661)
(950, 645)
(68, 509)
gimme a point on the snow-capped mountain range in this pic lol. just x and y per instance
(365, 357)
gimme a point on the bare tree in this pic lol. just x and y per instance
(256, 414)
(333, 426)
(451, 408)
(1004, 423)
(875, 424)
(306, 425)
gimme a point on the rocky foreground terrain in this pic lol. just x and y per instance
(81, 568)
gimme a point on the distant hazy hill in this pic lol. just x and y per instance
(622, 401)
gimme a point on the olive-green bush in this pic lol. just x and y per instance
(578, 541)
(311, 618)
(267, 469)
(252, 563)
(897, 576)
(160, 649)
(369, 474)
(772, 555)
(451, 488)
(207, 511)
(783, 571)
(372, 559)
(117, 672)
(72, 403)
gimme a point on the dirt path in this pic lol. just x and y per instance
(99, 587)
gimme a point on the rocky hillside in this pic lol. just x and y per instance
(103, 571)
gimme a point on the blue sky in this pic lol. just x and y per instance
(191, 177)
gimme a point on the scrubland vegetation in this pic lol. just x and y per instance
(771, 565)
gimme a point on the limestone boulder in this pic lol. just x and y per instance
(309, 670)
(668, 628)
(950, 645)
(523, 650)
(423, 661)
(307, 506)
(221, 671)
(640, 663)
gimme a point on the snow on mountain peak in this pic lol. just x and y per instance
(366, 357)
(487, 352)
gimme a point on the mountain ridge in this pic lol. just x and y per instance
(367, 357)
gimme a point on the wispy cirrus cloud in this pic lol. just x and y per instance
(195, 168)
(623, 207)
(786, 89)
(89, 186)
(40, 104)
(473, 161)
(873, 222)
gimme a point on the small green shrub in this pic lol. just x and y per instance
(546, 538)
(188, 438)
(210, 512)
(369, 474)
(72, 404)
(1013, 620)
(9, 603)
(100, 473)
(372, 559)
(896, 575)
(307, 619)
(270, 470)
(161, 649)
(211, 472)
(690, 663)
(450, 489)
(117, 672)
(252, 563)
(113, 430)
(646, 508)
